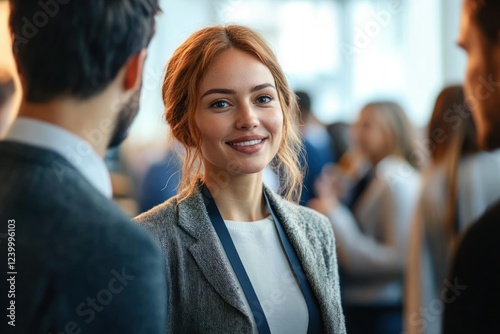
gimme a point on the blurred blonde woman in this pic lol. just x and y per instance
(458, 186)
(372, 228)
(240, 258)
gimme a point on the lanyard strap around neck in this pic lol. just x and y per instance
(315, 320)
(234, 259)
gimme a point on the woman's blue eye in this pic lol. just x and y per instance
(264, 99)
(219, 104)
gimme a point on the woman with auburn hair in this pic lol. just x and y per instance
(372, 226)
(240, 258)
(458, 186)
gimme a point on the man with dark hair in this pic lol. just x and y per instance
(472, 301)
(73, 262)
(7, 90)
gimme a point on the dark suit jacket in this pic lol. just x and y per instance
(472, 302)
(81, 263)
(203, 294)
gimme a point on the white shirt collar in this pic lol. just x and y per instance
(77, 151)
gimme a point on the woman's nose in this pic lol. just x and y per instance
(247, 117)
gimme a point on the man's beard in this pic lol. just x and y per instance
(124, 119)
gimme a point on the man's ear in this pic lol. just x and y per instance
(133, 70)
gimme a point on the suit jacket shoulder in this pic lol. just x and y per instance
(72, 243)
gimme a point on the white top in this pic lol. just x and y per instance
(273, 280)
(372, 241)
(77, 151)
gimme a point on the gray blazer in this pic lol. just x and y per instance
(203, 295)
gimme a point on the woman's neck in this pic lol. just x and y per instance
(240, 198)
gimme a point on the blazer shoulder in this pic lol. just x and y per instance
(158, 212)
(156, 219)
(309, 219)
(308, 214)
(317, 222)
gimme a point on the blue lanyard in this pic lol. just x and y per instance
(315, 321)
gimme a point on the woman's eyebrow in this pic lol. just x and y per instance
(218, 91)
(232, 92)
(259, 87)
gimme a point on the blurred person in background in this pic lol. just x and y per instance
(7, 91)
(350, 166)
(241, 258)
(457, 187)
(339, 133)
(124, 190)
(317, 151)
(84, 266)
(161, 181)
(476, 271)
(372, 231)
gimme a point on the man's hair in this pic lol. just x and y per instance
(76, 48)
(486, 14)
(7, 87)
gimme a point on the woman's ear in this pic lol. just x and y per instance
(133, 70)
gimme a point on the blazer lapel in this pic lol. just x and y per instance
(208, 252)
(313, 267)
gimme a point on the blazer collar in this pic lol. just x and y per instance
(208, 252)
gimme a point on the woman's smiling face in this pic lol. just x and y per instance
(239, 115)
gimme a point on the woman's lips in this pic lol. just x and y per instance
(248, 145)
